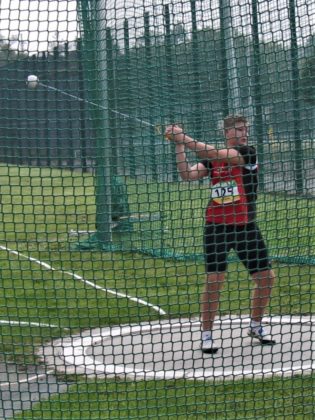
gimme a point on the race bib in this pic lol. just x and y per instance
(225, 192)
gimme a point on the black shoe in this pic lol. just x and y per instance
(261, 335)
(208, 346)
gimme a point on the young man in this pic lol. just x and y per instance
(230, 220)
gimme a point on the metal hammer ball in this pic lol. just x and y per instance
(32, 81)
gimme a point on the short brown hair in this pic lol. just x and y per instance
(231, 120)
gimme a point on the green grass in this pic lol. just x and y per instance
(29, 293)
(273, 398)
(41, 206)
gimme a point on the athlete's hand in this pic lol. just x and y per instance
(174, 133)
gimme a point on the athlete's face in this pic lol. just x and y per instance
(237, 135)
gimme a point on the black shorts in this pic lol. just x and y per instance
(246, 240)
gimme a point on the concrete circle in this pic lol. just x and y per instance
(170, 350)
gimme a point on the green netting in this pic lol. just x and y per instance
(103, 300)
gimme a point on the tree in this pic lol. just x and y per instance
(7, 53)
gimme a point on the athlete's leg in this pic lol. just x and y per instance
(210, 299)
(264, 281)
(217, 243)
(253, 253)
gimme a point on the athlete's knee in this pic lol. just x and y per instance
(264, 278)
(214, 280)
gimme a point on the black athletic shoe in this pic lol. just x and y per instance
(208, 346)
(261, 335)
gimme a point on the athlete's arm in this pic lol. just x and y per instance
(229, 156)
(186, 171)
(203, 150)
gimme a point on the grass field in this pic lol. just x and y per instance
(273, 398)
(41, 206)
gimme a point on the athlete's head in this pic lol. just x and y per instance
(235, 130)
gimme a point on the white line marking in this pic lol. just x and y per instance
(76, 276)
(133, 299)
(22, 381)
(32, 324)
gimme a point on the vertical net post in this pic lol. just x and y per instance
(257, 96)
(150, 91)
(119, 198)
(232, 76)
(93, 17)
(46, 130)
(59, 149)
(128, 98)
(69, 129)
(197, 106)
(82, 108)
(169, 64)
(224, 66)
(110, 85)
(298, 155)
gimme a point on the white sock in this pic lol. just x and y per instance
(206, 335)
(255, 324)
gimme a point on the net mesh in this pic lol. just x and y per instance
(101, 241)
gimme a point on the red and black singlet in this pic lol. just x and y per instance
(233, 189)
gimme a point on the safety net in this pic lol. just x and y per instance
(157, 209)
